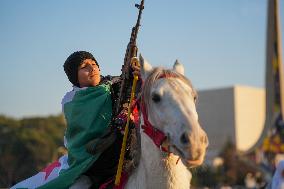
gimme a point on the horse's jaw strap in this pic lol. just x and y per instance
(157, 136)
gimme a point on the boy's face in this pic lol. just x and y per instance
(89, 73)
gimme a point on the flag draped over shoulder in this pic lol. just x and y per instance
(88, 114)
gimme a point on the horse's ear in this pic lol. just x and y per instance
(146, 68)
(178, 67)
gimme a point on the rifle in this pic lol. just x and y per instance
(126, 75)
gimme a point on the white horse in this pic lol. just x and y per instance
(169, 108)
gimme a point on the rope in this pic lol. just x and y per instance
(134, 60)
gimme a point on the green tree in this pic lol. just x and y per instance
(28, 145)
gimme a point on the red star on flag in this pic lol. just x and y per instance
(50, 168)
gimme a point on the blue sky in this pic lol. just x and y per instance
(221, 43)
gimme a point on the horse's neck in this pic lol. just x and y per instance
(157, 171)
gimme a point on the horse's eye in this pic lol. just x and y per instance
(195, 99)
(156, 98)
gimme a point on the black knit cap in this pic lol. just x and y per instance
(72, 64)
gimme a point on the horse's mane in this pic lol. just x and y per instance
(160, 72)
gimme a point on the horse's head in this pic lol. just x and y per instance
(170, 101)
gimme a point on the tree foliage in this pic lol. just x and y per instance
(28, 145)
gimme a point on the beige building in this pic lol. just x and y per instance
(234, 113)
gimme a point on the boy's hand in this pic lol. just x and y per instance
(136, 70)
(135, 66)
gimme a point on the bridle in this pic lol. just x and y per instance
(156, 135)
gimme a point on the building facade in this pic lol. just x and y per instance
(232, 114)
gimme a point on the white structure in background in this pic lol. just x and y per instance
(235, 114)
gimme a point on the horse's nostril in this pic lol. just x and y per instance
(184, 138)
